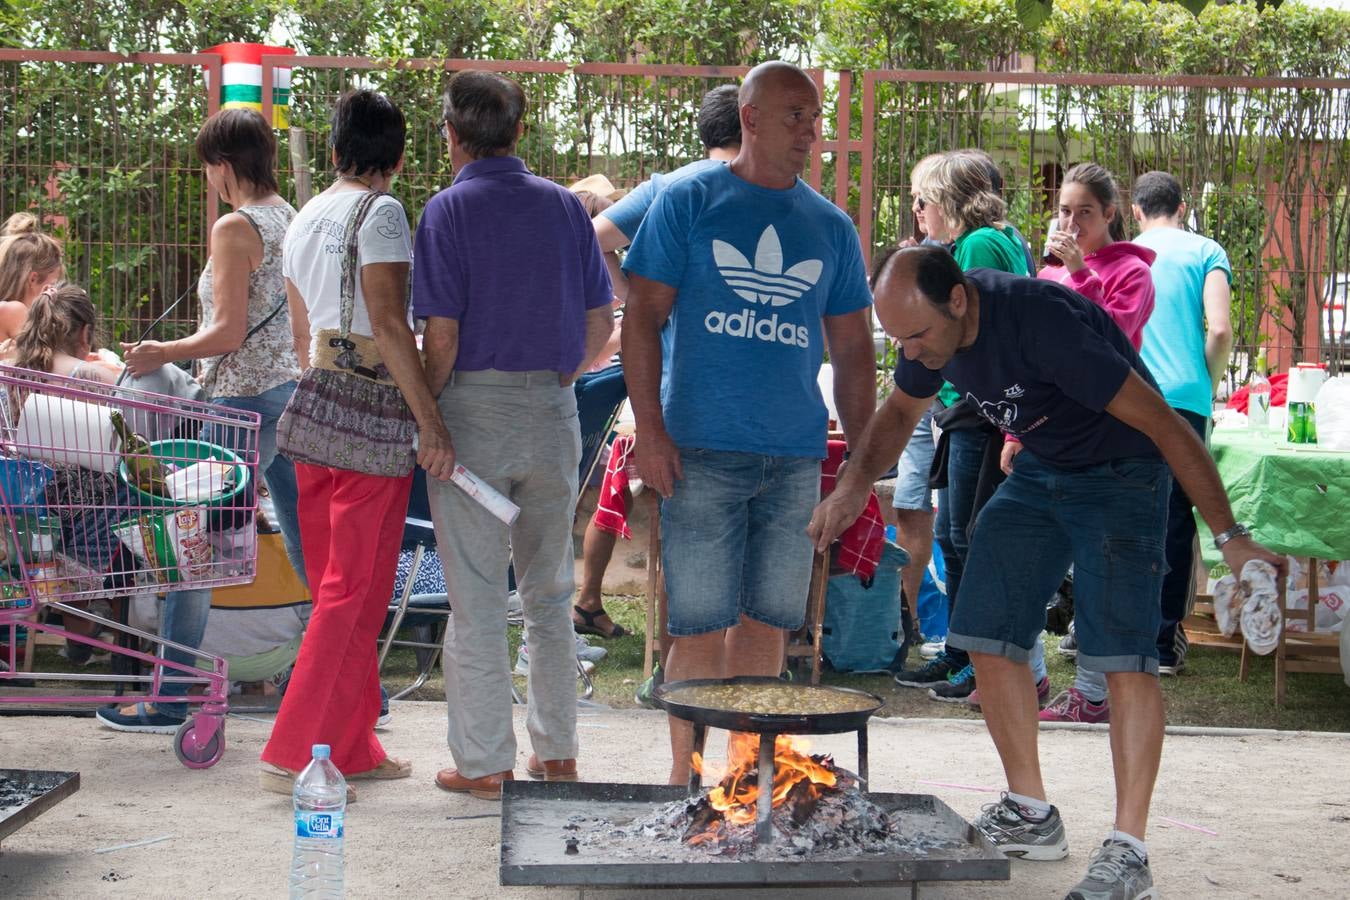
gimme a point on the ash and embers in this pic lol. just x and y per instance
(840, 823)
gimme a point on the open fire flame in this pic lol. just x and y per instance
(796, 775)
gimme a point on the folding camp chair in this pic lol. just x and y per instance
(600, 400)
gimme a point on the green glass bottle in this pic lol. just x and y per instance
(144, 470)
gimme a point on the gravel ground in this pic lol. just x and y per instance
(1275, 802)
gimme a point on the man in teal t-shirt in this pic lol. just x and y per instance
(1186, 344)
(740, 278)
(719, 130)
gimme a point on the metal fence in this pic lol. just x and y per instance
(1265, 164)
(100, 145)
(623, 121)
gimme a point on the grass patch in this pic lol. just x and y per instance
(1207, 693)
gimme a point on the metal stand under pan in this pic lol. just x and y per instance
(539, 818)
(26, 794)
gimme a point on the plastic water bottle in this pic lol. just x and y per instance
(320, 799)
(1258, 396)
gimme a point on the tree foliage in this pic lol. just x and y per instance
(106, 150)
(1265, 168)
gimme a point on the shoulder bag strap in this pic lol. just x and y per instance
(349, 266)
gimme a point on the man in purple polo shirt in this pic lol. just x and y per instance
(509, 276)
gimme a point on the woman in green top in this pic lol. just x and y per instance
(957, 204)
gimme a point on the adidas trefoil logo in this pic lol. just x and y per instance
(765, 282)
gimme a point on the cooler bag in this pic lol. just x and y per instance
(862, 630)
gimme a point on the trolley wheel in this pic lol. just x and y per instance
(188, 751)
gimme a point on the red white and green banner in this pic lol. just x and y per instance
(241, 78)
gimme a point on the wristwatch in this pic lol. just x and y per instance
(1237, 531)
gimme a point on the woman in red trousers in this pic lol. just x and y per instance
(351, 522)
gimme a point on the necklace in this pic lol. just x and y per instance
(358, 180)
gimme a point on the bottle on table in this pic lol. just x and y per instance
(1304, 381)
(1258, 396)
(320, 800)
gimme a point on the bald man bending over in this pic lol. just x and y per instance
(1090, 489)
(740, 277)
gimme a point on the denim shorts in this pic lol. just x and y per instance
(734, 542)
(1109, 521)
(911, 476)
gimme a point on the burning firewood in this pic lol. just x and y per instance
(704, 822)
(802, 799)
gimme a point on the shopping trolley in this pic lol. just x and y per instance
(106, 492)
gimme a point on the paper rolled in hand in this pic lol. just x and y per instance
(492, 499)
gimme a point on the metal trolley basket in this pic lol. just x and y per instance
(107, 492)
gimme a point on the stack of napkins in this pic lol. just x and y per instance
(200, 482)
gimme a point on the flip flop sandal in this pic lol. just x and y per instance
(389, 767)
(588, 626)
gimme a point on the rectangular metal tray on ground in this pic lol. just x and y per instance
(39, 791)
(534, 816)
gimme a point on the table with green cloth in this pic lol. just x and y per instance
(1296, 499)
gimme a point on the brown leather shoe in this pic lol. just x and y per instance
(551, 769)
(489, 787)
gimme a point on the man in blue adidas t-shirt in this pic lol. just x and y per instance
(1091, 488)
(740, 278)
(719, 130)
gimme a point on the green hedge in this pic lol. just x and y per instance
(131, 196)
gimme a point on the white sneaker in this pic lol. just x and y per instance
(523, 663)
(588, 653)
(932, 649)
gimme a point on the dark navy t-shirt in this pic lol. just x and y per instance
(1043, 367)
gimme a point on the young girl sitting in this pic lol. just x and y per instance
(30, 262)
(58, 336)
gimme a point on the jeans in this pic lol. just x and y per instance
(1178, 590)
(911, 477)
(956, 506)
(1106, 519)
(1038, 672)
(1178, 587)
(185, 612)
(734, 542)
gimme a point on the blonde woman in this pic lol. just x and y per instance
(29, 262)
(957, 205)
